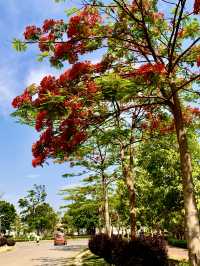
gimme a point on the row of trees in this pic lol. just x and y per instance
(36, 214)
(159, 204)
(144, 86)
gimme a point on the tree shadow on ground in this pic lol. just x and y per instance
(92, 260)
(68, 248)
(47, 261)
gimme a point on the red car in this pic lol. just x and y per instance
(59, 239)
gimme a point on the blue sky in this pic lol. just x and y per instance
(17, 70)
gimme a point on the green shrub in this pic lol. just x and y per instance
(3, 241)
(100, 245)
(148, 251)
(177, 243)
(10, 242)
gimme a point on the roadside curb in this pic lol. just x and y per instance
(5, 249)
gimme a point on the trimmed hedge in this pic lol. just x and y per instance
(10, 242)
(177, 243)
(146, 251)
(3, 241)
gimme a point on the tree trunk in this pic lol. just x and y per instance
(106, 207)
(129, 178)
(191, 212)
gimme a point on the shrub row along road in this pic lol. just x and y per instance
(42, 254)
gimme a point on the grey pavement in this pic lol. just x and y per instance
(42, 254)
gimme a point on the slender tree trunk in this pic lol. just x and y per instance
(106, 207)
(129, 178)
(191, 212)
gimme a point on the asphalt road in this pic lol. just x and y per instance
(42, 254)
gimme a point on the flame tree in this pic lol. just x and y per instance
(141, 41)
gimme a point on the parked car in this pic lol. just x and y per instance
(59, 239)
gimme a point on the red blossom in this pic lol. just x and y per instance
(147, 69)
(75, 72)
(43, 42)
(48, 83)
(38, 161)
(40, 119)
(22, 99)
(196, 7)
(194, 110)
(62, 49)
(73, 26)
(31, 32)
(48, 24)
(91, 87)
(157, 16)
(83, 23)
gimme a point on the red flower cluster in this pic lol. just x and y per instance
(196, 7)
(91, 87)
(48, 24)
(40, 120)
(150, 69)
(22, 99)
(43, 42)
(31, 32)
(157, 16)
(147, 70)
(193, 110)
(48, 84)
(62, 49)
(65, 139)
(167, 129)
(75, 72)
(66, 101)
(83, 23)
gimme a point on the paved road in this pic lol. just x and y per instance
(43, 254)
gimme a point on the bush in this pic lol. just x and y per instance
(142, 252)
(100, 245)
(10, 242)
(177, 243)
(3, 241)
(148, 251)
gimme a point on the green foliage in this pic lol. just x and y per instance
(19, 46)
(71, 11)
(42, 56)
(81, 209)
(177, 243)
(7, 215)
(36, 213)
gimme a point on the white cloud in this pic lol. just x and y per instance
(32, 176)
(71, 185)
(35, 76)
(7, 90)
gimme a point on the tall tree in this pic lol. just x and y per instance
(156, 49)
(7, 215)
(35, 212)
(82, 211)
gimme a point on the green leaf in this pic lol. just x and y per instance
(71, 11)
(18, 45)
(42, 56)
